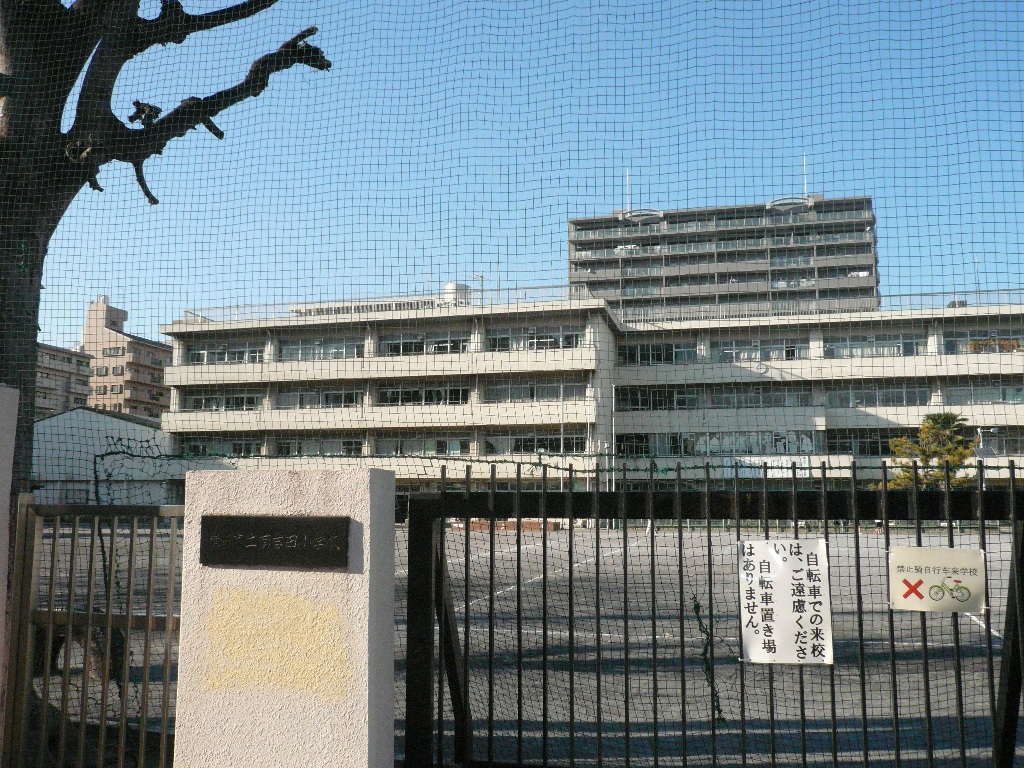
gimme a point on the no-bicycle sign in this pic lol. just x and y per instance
(936, 579)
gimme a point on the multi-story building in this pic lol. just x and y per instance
(409, 384)
(790, 256)
(127, 373)
(62, 380)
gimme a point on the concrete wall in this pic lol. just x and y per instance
(286, 666)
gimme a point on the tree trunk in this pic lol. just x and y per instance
(21, 260)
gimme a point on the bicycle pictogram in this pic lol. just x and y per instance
(958, 591)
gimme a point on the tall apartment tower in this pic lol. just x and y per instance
(127, 373)
(789, 256)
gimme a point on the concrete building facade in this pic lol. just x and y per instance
(409, 386)
(790, 256)
(127, 374)
(62, 380)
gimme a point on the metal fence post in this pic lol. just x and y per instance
(419, 685)
(1004, 733)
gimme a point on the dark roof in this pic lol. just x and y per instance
(112, 414)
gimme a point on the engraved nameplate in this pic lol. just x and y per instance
(298, 542)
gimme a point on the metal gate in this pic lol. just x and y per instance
(93, 664)
(601, 628)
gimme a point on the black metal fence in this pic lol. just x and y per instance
(602, 628)
(94, 659)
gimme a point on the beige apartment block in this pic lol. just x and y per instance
(414, 383)
(127, 373)
(62, 380)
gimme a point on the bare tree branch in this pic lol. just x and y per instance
(113, 52)
(173, 24)
(139, 145)
(140, 177)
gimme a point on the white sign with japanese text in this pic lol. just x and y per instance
(785, 605)
(936, 579)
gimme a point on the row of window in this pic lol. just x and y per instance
(835, 347)
(401, 394)
(681, 397)
(390, 345)
(571, 441)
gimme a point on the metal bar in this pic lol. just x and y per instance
(831, 667)
(451, 656)
(925, 665)
(1011, 668)
(419, 695)
(122, 722)
(894, 697)
(772, 743)
(711, 613)
(47, 656)
(87, 640)
(654, 612)
(24, 589)
(65, 679)
(544, 611)
(626, 725)
(467, 719)
(954, 619)
(108, 631)
(572, 619)
(595, 501)
(861, 661)
(983, 543)
(677, 507)
(743, 663)
(147, 642)
(440, 533)
(172, 570)
(800, 672)
(492, 552)
(519, 613)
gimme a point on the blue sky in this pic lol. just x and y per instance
(454, 138)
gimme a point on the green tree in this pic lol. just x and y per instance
(941, 439)
(61, 58)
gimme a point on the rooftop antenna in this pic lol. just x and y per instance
(805, 175)
(629, 193)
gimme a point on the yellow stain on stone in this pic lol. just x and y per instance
(275, 640)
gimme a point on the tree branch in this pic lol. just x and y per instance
(138, 145)
(173, 24)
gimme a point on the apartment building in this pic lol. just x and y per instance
(410, 384)
(789, 256)
(62, 380)
(127, 374)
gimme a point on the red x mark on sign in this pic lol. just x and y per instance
(912, 589)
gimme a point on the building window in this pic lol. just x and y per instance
(675, 398)
(657, 354)
(413, 394)
(419, 445)
(79, 401)
(100, 390)
(876, 345)
(751, 350)
(100, 370)
(982, 342)
(762, 443)
(517, 339)
(348, 398)
(861, 442)
(402, 344)
(116, 389)
(220, 402)
(156, 378)
(216, 354)
(321, 349)
(320, 447)
(571, 440)
(879, 396)
(984, 393)
(117, 370)
(113, 352)
(514, 391)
